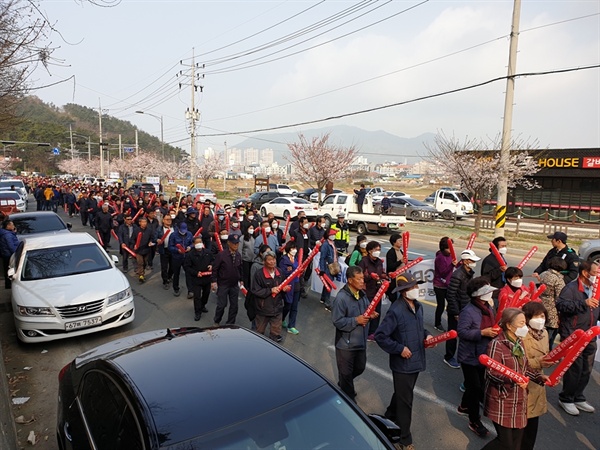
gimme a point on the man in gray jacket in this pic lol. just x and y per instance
(351, 330)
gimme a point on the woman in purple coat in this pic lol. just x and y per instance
(443, 267)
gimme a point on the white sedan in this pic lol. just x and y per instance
(202, 194)
(65, 285)
(391, 194)
(14, 195)
(285, 206)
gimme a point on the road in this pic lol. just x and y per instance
(33, 369)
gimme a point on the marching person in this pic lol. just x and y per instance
(268, 297)
(359, 252)
(328, 257)
(372, 267)
(179, 244)
(226, 279)
(443, 267)
(265, 230)
(8, 245)
(247, 251)
(492, 269)
(317, 232)
(402, 334)
(555, 283)
(394, 258)
(143, 250)
(287, 265)
(198, 265)
(351, 330)
(578, 310)
(163, 234)
(560, 249)
(103, 222)
(125, 234)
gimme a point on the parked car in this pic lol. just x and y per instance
(114, 397)
(146, 188)
(374, 191)
(260, 198)
(283, 189)
(18, 185)
(314, 197)
(203, 194)
(378, 197)
(8, 207)
(36, 222)
(411, 208)
(14, 195)
(65, 285)
(286, 206)
(590, 250)
(306, 193)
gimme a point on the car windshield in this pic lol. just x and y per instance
(302, 201)
(10, 194)
(9, 183)
(462, 197)
(63, 261)
(415, 202)
(298, 424)
(255, 196)
(38, 224)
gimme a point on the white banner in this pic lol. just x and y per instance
(422, 272)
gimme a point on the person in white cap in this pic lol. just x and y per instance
(457, 299)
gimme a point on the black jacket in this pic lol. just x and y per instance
(266, 304)
(198, 261)
(456, 295)
(570, 257)
(490, 268)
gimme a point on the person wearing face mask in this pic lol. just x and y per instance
(278, 233)
(372, 267)
(328, 255)
(475, 331)
(555, 283)
(295, 225)
(197, 265)
(342, 237)
(351, 330)
(514, 282)
(402, 334)
(359, 252)
(218, 225)
(184, 238)
(162, 244)
(443, 267)
(317, 232)
(205, 222)
(234, 227)
(250, 221)
(247, 250)
(562, 250)
(302, 239)
(457, 299)
(287, 265)
(578, 310)
(271, 238)
(536, 348)
(491, 268)
(505, 401)
(394, 258)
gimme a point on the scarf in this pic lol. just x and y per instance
(537, 334)
(517, 350)
(487, 320)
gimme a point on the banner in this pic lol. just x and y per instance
(422, 272)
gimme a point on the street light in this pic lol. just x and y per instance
(162, 140)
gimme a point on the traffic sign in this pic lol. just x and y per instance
(56, 151)
(128, 149)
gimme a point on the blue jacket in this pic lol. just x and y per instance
(574, 314)
(327, 257)
(184, 240)
(8, 243)
(403, 328)
(471, 343)
(349, 335)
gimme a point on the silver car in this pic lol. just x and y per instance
(590, 249)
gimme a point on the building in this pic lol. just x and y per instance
(266, 156)
(251, 156)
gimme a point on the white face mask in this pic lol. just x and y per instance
(172, 216)
(522, 331)
(332, 237)
(487, 298)
(224, 237)
(234, 224)
(363, 244)
(413, 294)
(376, 254)
(221, 217)
(306, 226)
(199, 246)
(592, 279)
(183, 210)
(472, 265)
(503, 250)
(267, 229)
(242, 212)
(537, 323)
(250, 231)
(274, 225)
(516, 283)
(293, 252)
(250, 217)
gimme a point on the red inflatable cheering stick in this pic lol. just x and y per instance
(162, 240)
(527, 257)
(471, 241)
(497, 254)
(441, 338)
(405, 239)
(378, 296)
(138, 241)
(501, 369)
(451, 249)
(596, 289)
(561, 349)
(99, 238)
(301, 268)
(406, 267)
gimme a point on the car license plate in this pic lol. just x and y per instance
(83, 323)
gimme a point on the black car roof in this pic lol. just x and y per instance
(204, 379)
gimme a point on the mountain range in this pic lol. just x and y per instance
(377, 146)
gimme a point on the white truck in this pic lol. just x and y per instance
(452, 202)
(363, 223)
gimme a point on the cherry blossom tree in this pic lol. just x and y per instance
(477, 168)
(318, 162)
(208, 168)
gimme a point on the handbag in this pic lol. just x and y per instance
(334, 268)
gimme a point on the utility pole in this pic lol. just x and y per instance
(192, 113)
(100, 143)
(225, 165)
(137, 147)
(120, 148)
(502, 199)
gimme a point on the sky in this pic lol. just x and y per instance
(134, 55)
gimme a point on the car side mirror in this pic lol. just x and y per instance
(11, 273)
(387, 427)
(114, 259)
(69, 226)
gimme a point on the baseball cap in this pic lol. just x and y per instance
(483, 290)
(341, 214)
(406, 281)
(559, 236)
(233, 238)
(469, 254)
(183, 227)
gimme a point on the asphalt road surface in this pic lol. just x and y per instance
(33, 368)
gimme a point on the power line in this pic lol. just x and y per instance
(378, 108)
